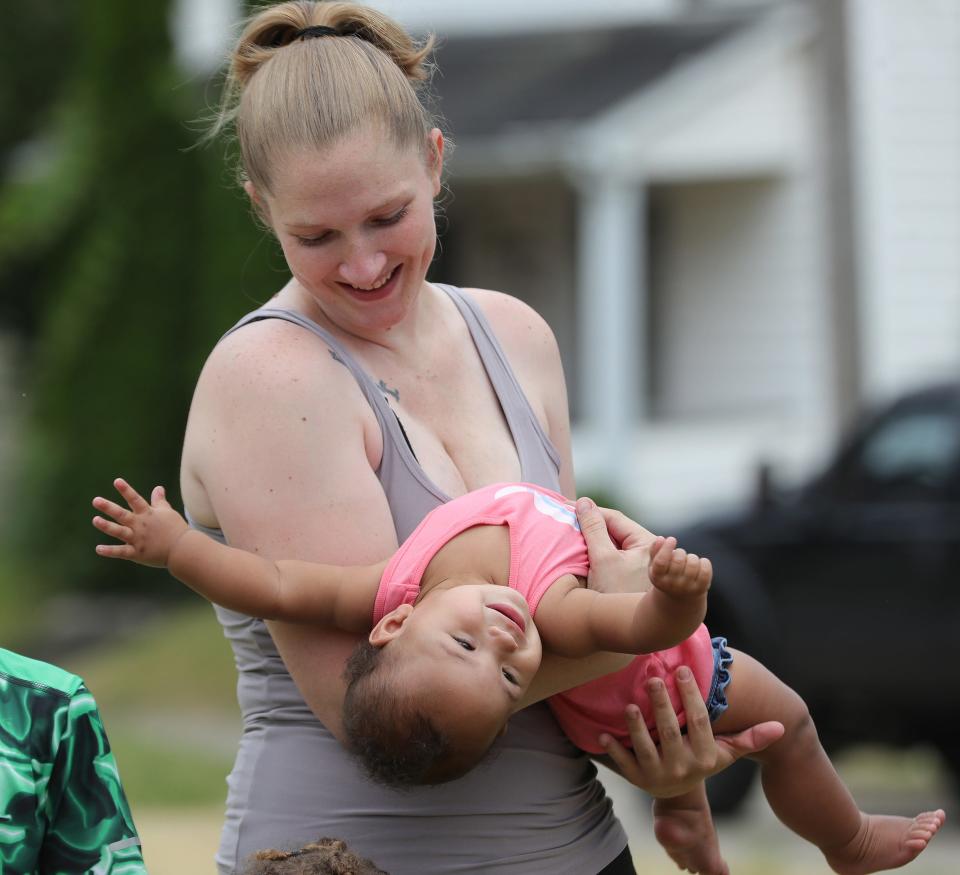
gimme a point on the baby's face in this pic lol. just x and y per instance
(472, 650)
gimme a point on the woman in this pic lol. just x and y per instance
(326, 425)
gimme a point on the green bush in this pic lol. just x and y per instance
(138, 253)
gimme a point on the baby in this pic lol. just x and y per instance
(454, 649)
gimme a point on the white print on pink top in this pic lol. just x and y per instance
(562, 513)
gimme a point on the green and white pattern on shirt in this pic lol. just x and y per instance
(62, 808)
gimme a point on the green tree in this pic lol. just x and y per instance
(136, 252)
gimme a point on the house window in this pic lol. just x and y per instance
(728, 292)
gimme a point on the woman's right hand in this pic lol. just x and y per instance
(618, 548)
(682, 760)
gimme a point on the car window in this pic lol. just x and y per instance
(913, 456)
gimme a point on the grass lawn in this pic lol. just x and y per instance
(168, 702)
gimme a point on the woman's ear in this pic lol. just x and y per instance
(390, 626)
(256, 201)
(435, 158)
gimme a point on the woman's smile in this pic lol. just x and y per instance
(377, 290)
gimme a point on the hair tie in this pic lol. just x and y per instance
(316, 30)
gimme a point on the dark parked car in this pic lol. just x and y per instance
(849, 587)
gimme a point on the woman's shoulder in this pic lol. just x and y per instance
(511, 318)
(523, 333)
(270, 394)
(268, 354)
(265, 372)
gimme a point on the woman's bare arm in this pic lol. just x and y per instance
(276, 453)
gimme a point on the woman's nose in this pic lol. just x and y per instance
(364, 269)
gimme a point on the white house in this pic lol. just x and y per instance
(741, 219)
(742, 223)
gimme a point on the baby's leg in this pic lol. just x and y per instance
(803, 788)
(684, 827)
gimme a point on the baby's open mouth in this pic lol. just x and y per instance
(512, 614)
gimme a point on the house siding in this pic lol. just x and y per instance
(905, 83)
(735, 325)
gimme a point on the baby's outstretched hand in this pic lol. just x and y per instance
(677, 573)
(148, 531)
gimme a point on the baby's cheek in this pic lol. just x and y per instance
(535, 657)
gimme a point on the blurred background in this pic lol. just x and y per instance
(741, 220)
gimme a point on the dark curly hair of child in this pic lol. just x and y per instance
(408, 749)
(322, 857)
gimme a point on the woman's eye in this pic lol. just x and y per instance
(510, 676)
(312, 241)
(392, 220)
(466, 645)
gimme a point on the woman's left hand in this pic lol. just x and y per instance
(681, 760)
(618, 547)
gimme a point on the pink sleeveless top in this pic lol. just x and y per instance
(545, 544)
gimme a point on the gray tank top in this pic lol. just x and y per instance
(536, 808)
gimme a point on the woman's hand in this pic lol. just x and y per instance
(619, 549)
(681, 761)
(148, 531)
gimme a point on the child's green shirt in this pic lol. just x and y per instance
(62, 808)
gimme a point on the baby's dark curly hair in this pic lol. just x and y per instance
(396, 742)
(322, 857)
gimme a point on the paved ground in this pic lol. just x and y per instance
(183, 842)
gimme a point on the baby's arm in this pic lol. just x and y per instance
(575, 622)
(154, 534)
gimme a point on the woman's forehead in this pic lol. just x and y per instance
(357, 155)
(315, 186)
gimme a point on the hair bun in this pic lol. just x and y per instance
(285, 90)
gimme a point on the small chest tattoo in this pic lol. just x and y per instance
(394, 392)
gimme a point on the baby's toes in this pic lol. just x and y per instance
(930, 819)
(924, 827)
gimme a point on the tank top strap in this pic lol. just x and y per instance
(372, 392)
(539, 459)
(410, 493)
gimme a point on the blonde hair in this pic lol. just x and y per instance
(285, 92)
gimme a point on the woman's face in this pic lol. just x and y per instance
(356, 225)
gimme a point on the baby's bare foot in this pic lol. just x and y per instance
(885, 843)
(689, 838)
